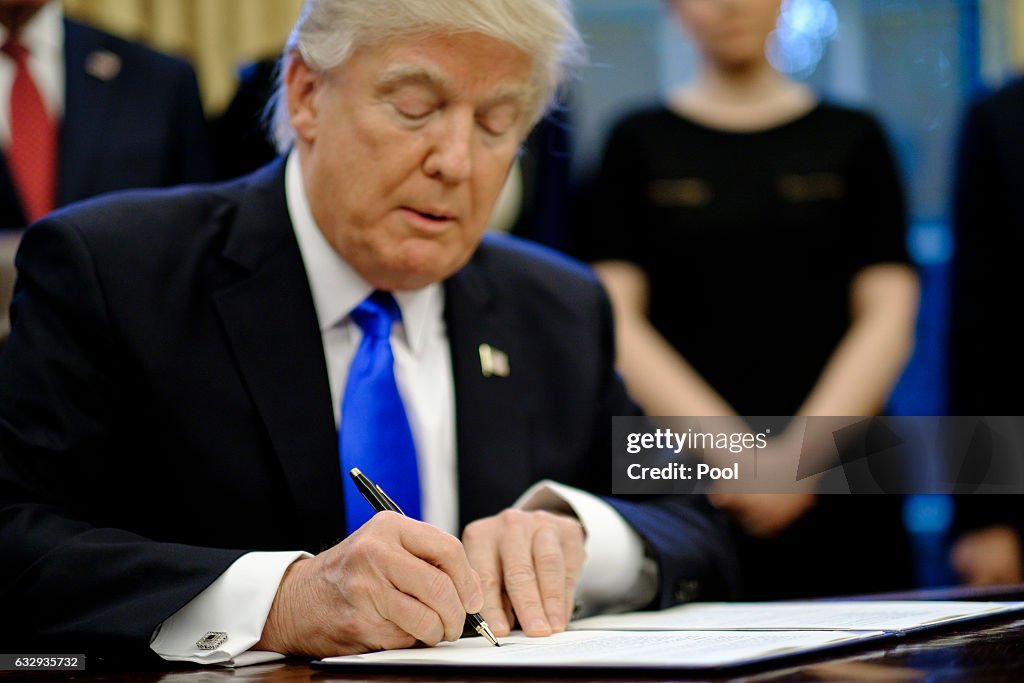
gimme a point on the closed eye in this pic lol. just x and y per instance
(415, 110)
(414, 101)
(500, 119)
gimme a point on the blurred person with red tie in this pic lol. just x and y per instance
(83, 113)
(87, 113)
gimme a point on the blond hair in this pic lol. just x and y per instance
(329, 30)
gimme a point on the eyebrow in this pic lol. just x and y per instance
(400, 75)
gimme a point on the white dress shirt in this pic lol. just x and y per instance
(616, 575)
(43, 35)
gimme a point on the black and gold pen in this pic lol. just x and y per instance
(381, 501)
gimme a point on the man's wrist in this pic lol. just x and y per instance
(279, 630)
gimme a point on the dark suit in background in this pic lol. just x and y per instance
(987, 350)
(164, 407)
(986, 343)
(132, 118)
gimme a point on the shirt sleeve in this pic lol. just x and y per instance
(617, 575)
(229, 614)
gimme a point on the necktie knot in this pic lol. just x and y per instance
(376, 314)
(15, 49)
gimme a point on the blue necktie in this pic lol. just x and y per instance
(374, 434)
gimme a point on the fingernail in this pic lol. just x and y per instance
(557, 624)
(498, 626)
(475, 603)
(539, 624)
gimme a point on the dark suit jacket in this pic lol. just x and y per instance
(141, 127)
(164, 407)
(987, 367)
(986, 345)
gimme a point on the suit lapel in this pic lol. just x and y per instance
(87, 103)
(271, 325)
(492, 413)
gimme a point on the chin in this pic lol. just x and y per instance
(417, 268)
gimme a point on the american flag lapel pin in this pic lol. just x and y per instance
(493, 362)
(103, 65)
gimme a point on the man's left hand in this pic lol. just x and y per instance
(528, 563)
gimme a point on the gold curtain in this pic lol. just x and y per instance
(1016, 32)
(217, 36)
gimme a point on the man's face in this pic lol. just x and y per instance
(405, 148)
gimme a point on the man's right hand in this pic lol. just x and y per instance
(393, 582)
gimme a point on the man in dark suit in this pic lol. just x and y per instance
(171, 399)
(986, 360)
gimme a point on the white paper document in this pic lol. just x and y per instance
(694, 636)
(827, 615)
(611, 649)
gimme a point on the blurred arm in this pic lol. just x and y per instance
(657, 377)
(867, 362)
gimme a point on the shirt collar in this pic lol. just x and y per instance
(43, 35)
(337, 288)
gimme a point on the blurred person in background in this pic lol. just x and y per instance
(82, 113)
(986, 357)
(102, 114)
(752, 241)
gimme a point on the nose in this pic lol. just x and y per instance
(450, 156)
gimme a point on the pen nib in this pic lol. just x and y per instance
(485, 630)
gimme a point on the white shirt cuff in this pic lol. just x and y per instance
(236, 604)
(617, 574)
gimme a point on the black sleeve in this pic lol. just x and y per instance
(877, 201)
(608, 206)
(68, 579)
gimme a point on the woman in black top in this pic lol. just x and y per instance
(752, 241)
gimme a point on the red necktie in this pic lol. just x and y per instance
(32, 154)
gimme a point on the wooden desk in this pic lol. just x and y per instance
(991, 650)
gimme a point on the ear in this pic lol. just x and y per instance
(301, 87)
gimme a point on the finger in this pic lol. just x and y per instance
(447, 553)
(482, 550)
(520, 578)
(575, 556)
(413, 617)
(506, 607)
(434, 589)
(549, 563)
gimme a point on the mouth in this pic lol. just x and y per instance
(430, 218)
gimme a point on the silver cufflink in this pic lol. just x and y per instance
(211, 640)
